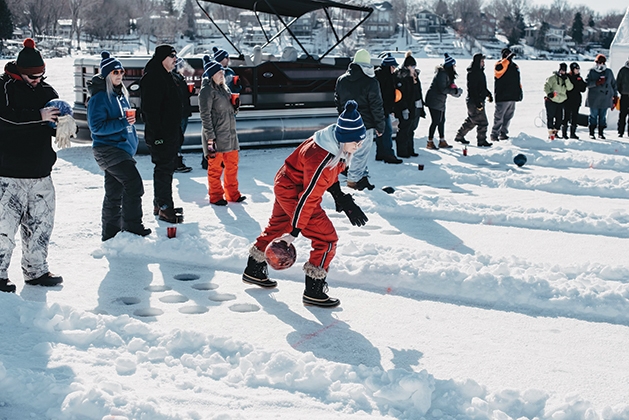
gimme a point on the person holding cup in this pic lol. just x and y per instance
(111, 121)
(218, 136)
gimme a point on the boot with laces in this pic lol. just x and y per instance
(257, 271)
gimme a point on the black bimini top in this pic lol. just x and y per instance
(292, 8)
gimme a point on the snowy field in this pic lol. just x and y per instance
(477, 290)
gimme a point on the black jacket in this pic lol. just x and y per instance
(507, 85)
(365, 90)
(442, 85)
(477, 90)
(161, 105)
(387, 88)
(25, 140)
(186, 108)
(411, 93)
(574, 95)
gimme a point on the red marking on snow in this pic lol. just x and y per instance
(591, 166)
(313, 335)
(488, 222)
(389, 290)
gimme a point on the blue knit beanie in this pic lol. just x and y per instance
(349, 126)
(219, 55)
(448, 61)
(210, 67)
(109, 63)
(389, 60)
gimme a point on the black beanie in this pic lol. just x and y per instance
(29, 60)
(505, 52)
(563, 66)
(163, 51)
(409, 60)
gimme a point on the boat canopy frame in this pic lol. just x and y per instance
(293, 9)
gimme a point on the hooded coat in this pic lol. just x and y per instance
(161, 105)
(600, 96)
(25, 140)
(365, 90)
(558, 86)
(622, 80)
(440, 88)
(477, 90)
(574, 95)
(411, 93)
(106, 118)
(386, 79)
(218, 117)
(507, 84)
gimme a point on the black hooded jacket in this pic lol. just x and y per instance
(25, 140)
(365, 90)
(161, 105)
(477, 90)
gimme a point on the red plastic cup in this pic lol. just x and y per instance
(465, 152)
(235, 80)
(235, 97)
(191, 87)
(129, 112)
(171, 231)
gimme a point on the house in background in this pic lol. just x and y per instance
(426, 22)
(381, 24)
(206, 29)
(555, 38)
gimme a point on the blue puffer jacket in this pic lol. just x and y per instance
(106, 118)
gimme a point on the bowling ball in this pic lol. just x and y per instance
(280, 255)
(519, 160)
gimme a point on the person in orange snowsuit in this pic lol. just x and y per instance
(310, 171)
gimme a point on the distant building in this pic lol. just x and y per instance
(555, 39)
(304, 25)
(481, 26)
(206, 29)
(426, 22)
(381, 23)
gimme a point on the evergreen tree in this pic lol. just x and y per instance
(6, 23)
(577, 29)
(540, 39)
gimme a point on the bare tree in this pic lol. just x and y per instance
(109, 19)
(467, 14)
(79, 10)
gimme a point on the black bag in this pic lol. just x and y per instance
(582, 120)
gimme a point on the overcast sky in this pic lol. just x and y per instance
(600, 6)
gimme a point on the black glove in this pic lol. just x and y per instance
(236, 104)
(550, 95)
(490, 98)
(345, 203)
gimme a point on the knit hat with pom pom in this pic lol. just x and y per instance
(219, 55)
(349, 126)
(210, 67)
(409, 60)
(29, 60)
(108, 63)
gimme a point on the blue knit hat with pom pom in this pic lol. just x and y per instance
(219, 55)
(210, 67)
(448, 61)
(108, 63)
(349, 126)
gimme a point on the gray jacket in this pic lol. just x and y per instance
(218, 117)
(600, 96)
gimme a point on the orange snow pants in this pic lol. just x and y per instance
(225, 164)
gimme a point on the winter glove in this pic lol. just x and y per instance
(406, 114)
(419, 103)
(458, 93)
(600, 81)
(211, 149)
(287, 237)
(490, 98)
(351, 209)
(66, 128)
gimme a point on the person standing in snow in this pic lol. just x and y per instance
(622, 80)
(219, 138)
(601, 85)
(556, 90)
(573, 103)
(386, 79)
(114, 143)
(359, 83)
(300, 183)
(27, 193)
(410, 108)
(507, 91)
(477, 93)
(161, 109)
(442, 85)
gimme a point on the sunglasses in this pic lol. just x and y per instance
(117, 72)
(173, 55)
(34, 77)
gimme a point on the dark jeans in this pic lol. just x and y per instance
(122, 206)
(404, 140)
(475, 118)
(624, 111)
(571, 116)
(554, 114)
(437, 121)
(384, 143)
(164, 157)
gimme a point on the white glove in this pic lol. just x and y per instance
(418, 103)
(405, 114)
(287, 237)
(66, 128)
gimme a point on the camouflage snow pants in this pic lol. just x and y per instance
(29, 204)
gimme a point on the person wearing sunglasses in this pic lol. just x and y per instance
(311, 170)
(162, 113)
(114, 143)
(27, 193)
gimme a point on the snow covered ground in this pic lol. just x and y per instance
(477, 290)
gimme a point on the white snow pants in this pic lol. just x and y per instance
(29, 204)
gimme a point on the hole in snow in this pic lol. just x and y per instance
(244, 307)
(193, 309)
(148, 312)
(128, 300)
(187, 277)
(221, 297)
(174, 299)
(158, 288)
(205, 286)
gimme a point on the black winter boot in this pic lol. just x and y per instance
(46, 280)
(181, 167)
(600, 133)
(257, 272)
(7, 286)
(592, 128)
(564, 132)
(316, 289)
(573, 132)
